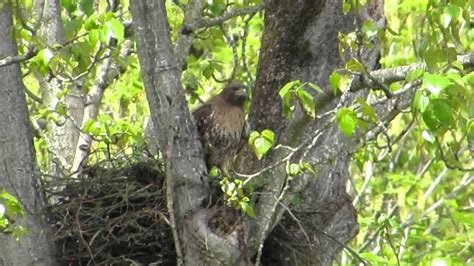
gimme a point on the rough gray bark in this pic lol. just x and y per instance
(300, 42)
(176, 134)
(17, 171)
(61, 137)
(106, 73)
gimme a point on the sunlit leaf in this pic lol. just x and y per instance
(414, 75)
(116, 28)
(427, 136)
(307, 102)
(315, 87)
(347, 121)
(87, 6)
(434, 58)
(443, 112)
(290, 85)
(261, 142)
(355, 66)
(269, 135)
(435, 83)
(346, 7)
(294, 169)
(334, 80)
(421, 101)
(247, 209)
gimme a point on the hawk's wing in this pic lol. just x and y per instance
(203, 117)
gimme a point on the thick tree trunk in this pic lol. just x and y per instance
(62, 135)
(17, 171)
(177, 137)
(300, 42)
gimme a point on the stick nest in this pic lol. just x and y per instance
(111, 216)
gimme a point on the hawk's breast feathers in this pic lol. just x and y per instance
(221, 125)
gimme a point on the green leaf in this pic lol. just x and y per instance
(469, 79)
(87, 6)
(334, 80)
(69, 5)
(71, 28)
(453, 11)
(269, 135)
(347, 121)
(45, 56)
(427, 136)
(94, 128)
(430, 119)
(91, 22)
(374, 259)
(247, 209)
(366, 110)
(117, 29)
(215, 172)
(87, 125)
(470, 129)
(315, 87)
(414, 75)
(434, 58)
(261, 143)
(435, 83)
(286, 93)
(7, 196)
(61, 108)
(307, 102)
(443, 112)
(445, 19)
(261, 146)
(355, 66)
(346, 7)
(207, 71)
(294, 169)
(421, 101)
(370, 29)
(288, 107)
(308, 167)
(253, 136)
(94, 37)
(230, 188)
(11, 204)
(464, 217)
(288, 86)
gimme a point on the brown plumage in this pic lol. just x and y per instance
(221, 126)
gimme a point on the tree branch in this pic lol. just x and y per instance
(107, 72)
(9, 60)
(192, 13)
(228, 15)
(390, 75)
(184, 161)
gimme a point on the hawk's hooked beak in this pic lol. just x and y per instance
(241, 92)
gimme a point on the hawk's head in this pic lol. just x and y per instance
(235, 94)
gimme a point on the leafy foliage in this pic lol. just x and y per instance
(414, 178)
(296, 89)
(235, 196)
(261, 142)
(10, 210)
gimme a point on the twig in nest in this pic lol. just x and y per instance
(84, 242)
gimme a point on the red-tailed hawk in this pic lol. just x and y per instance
(222, 127)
